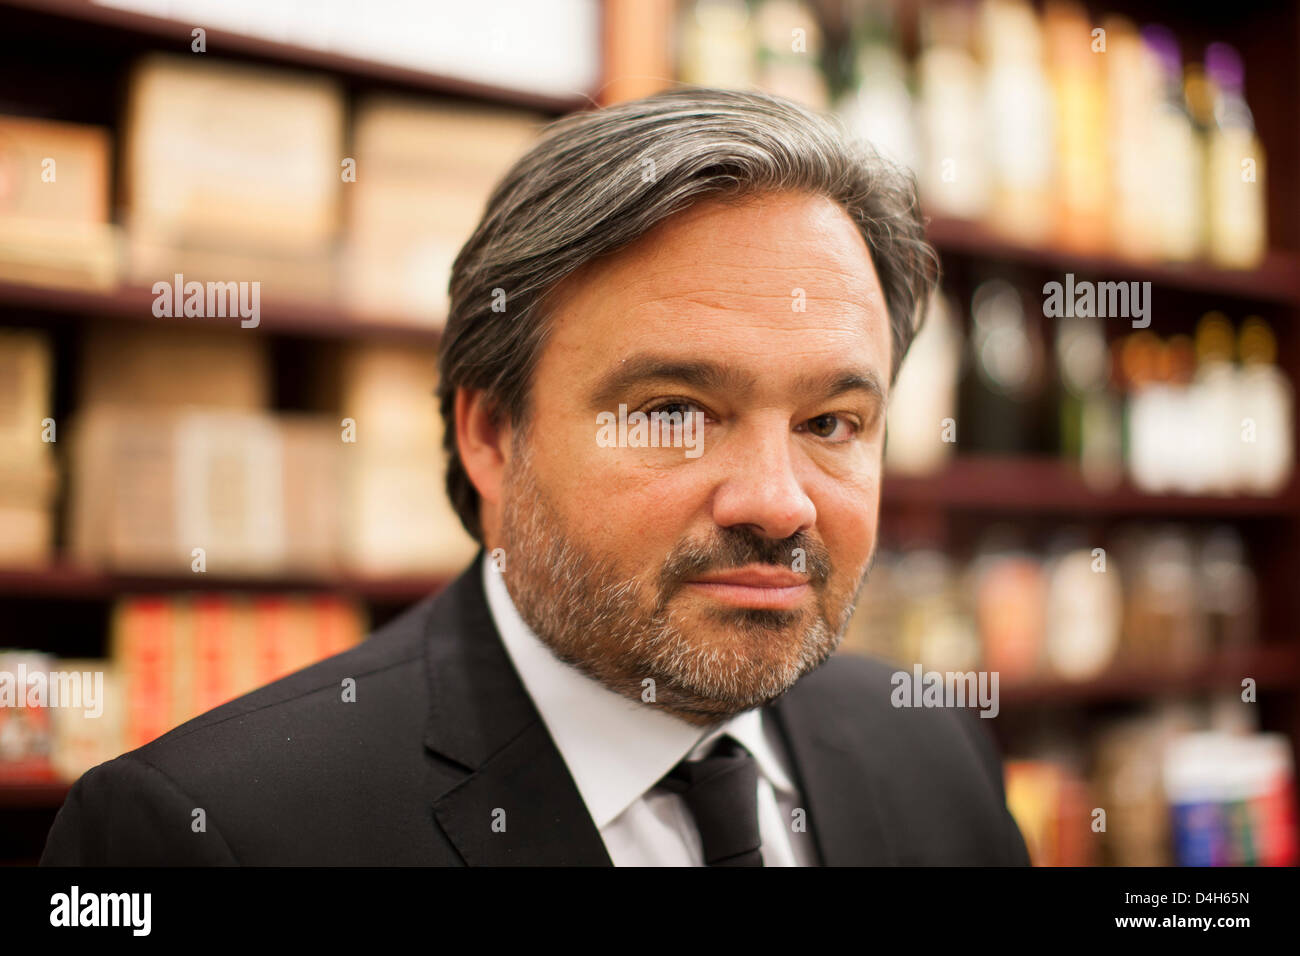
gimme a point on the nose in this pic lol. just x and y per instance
(760, 488)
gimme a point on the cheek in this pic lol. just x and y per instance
(848, 518)
(622, 502)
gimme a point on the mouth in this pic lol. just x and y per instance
(754, 586)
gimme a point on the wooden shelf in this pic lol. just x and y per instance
(71, 582)
(123, 28)
(49, 794)
(278, 317)
(1277, 280)
(1053, 487)
(1274, 666)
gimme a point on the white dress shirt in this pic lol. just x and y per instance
(617, 750)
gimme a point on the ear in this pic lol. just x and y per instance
(483, 445)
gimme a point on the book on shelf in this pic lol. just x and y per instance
(179, 657)
(170, 659)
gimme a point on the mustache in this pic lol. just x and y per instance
(734, 548)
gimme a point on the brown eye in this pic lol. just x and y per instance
(823, 426)
(674, 408)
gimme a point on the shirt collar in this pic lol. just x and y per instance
(751, 731)
(615, 749)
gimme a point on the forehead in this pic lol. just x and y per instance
(789, 273)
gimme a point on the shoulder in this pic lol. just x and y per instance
(373, 681)
(861, 698)
(935, 771)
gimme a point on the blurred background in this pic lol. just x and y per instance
(1101, 509)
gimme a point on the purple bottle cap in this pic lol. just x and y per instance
(1161, 41)
(1223, 64)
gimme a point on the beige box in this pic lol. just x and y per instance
(423, 176)
(184, 365)
(231, 156)
(150, 486)
(312, 472)
(54, 227)
(27, 507)
(122, 501)
(26, 382)
(259, 494)
(398, 518)
(388, 391)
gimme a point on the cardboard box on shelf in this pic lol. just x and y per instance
(398, 518)
(26, 382)
(257, 493)
(388, 391)
(312, 491)
(423, 175)
(28, 431)
(232, 173)
(27, 504)
(185, 365)
(54, 227)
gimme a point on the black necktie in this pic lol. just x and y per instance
(722, 793)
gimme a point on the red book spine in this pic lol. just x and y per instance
(147, 624)
(213, 637)
(271, 628)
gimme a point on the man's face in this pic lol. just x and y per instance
(726, 574)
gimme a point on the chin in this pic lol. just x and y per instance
(726, 671)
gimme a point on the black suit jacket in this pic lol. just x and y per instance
(442, 737)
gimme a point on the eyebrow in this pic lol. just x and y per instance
(713, 376)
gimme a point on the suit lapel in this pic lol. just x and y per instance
(839, 782)
(516, 803)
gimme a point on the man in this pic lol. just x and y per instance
(637, 667)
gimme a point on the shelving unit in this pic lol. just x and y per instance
(96, 44)
(1276, 281)
(83, 52)
(70, 308)
(33, 796)
(1047, 486)
(127, 33)
(1272, 665)
(71, 583)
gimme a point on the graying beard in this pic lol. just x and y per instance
(699, 681)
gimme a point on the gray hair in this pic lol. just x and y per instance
(598, 180)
